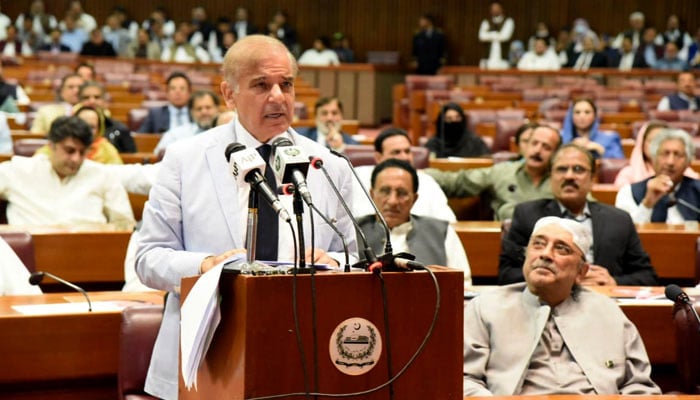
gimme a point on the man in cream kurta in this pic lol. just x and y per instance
(549, 335)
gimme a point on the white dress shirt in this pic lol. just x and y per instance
(641, 213)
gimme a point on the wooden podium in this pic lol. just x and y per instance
(254, 352)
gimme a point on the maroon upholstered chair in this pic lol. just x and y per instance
(363, 154)
(688, 347)
(609, 168)
(135, 118)
(23, 245)
(138, 333)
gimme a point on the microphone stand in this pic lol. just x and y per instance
(298, 205)
(251, 266)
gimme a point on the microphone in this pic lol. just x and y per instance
(291, 166)
(317, 163)
(36, 277)
(246, 166)
(678, 296)
(377, 213)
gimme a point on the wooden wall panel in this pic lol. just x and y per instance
(389, 24)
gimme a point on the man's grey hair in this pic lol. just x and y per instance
(673, 134)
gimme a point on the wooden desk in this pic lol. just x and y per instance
(65, 355)
(80, 256)
(672, 248)
(456, 164)
(604, 193)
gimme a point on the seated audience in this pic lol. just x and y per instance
(14, 276)
(626, 58)
(67, 96)
(42, 23)
(671, 61)
(641, 165)
(685, 98)
(97, 46)
(395, 143)
(648, 50)
(616, 256)
(540, 58)
(433, 241)
(668, 196)
(581, 126)
(588, 57)
(674, 34)
(100, 150)
(72, 35)
(13, 46)
(549, 335)
(341, 46)
(83, 20)
(11, 95)
(242, 26)
(452, 138)
(328, 130)
(115, 34)
(320, 54)
(63, 187)
(204, 107)
(507, 183)
(92, 94)
(143, 47)
(173, 114)
(55, 44)
(635, 31)
(183, 51)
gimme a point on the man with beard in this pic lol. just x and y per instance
(329, 115)
(452, 138)
(616, 256)
(433, 241)
(549, 335)
(204, 108)
(668, 196)
(508, 183)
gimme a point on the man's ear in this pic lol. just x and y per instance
(377, 157)
(415, 198)
(582, 271)
(227, 94)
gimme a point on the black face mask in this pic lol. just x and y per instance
(453, 131)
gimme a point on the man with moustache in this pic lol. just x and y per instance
(685, 98)
(204, 109)
(549, 335)
(508, 183)
(669, 196)
(329, 116)
(616, 256)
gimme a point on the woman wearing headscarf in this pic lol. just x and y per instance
(452, 138)
(101, 150)
(582, 126)
(641, 164)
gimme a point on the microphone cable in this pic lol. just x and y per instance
(335, 229)
(403, 369)
(300, 344)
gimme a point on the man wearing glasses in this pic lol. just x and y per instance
(616, 256)
(549, 335)
(433, 241)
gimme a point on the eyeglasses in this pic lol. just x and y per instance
(401, 194)
(576, 169)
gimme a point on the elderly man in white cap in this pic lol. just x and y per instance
(549, 334)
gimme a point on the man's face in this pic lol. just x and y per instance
(671, 50)
(178, 92)
(394, 195)
(397, 146)
(67, 156)
(92, 96)
(571, 177)
(540, 146)
(671, 160)
(686, 84)
(263, 95)
(672, 23)
(204, 111)
(540, 47)
(69, 90)
(328, 117)
(496, 10)
(637, 24)
(553, 263)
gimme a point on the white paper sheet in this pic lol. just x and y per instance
(68, 308)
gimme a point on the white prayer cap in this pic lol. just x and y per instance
(582, 236)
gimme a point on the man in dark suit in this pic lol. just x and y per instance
(589, 57)
(55, 45)
(616, 257)
(429, 47)
(329, 115)
(176, 112)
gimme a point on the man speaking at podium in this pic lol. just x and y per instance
(196, 213)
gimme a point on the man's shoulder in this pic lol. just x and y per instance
(608, 210)
(501, 295)
(532, 205)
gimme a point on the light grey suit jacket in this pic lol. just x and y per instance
(193, 211)
(502, 328)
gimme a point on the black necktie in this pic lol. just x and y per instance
(268, 230)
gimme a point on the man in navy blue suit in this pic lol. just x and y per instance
(176, 112)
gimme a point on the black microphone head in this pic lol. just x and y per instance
(232, 148)
(673, 292)
(316, 162)
(36, 277)
(280, 142)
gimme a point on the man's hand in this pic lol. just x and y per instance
(334, 139)
(657, 187)
(212, 261)
(598, 276)
(321, 257)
